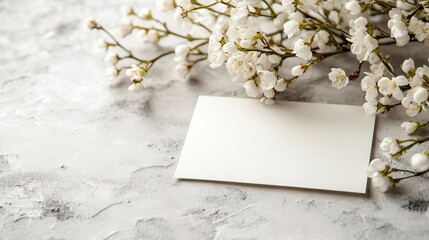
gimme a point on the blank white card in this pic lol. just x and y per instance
(307, 145)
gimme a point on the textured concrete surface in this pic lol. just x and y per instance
(82, 159)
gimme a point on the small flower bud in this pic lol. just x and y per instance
(91, 24)
(128, 11)
(420, 162)
(251, 89)
(353, 7)
(103, 44)
(297, 70)
(112, 72)
(420, 94)
(390, 145)
(408, 66)
(375, 166)
(381, 182)
(281, 85)
(145, 13)
(111, 58)
(125, 28)
(410, 127)
(267, 101)
(136, 87)
(182, 70)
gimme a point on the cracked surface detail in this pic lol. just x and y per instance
(81, 158)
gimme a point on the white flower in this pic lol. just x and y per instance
(135, 87)
(374, 59)
(398, 28)
(229, 48)
(251, 89)
(125, 28)
(181, 52)
(321, 38)
(369, 85)
(273, 58)
(377, 70)
(111, 58)
(268, 80)
(217, 58)
(353, 6)
(419, 162)
(390, 87)
(267, 101)
(182, 70)
(298, 70)
(412, 107)
(363, 44)
(375, 166)
(371, 106)
(386, 101)
(288, 5)
(269, 93)
(338, 78)
(186, 4)
(135, 73)
(410, 127)
(390, 145)
(358, 24)
(222, 24)
(281, 85)
(112, 72)
(367, 46)
(263, 62)
(382, 182)
(91, 23)
(402, 41)
(247, 36)
(151, 36)
(280, 20)
(103, 44)
(270, 101)
(291, 28)
(419, 28)
(334, 16)
(240, 13)
(206, 18)
(403, 4)
(166, 5)
(420, 94)
(128, 11)
(408, 65)
(145, 13)
(215, 54)
(240, 65)
(297, 16)
(421, 74)
(379, 180)
(302, 50)
(371, 93)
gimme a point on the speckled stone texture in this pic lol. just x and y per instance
(82, 159)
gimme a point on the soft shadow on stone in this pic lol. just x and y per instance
(194, 81)
(146, 107)
(396, 191)
(121, 82)
(416, 204)
(274, 188)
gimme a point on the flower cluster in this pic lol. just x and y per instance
(382, 173)
(253, 40)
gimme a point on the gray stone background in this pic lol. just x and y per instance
(81, 158)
